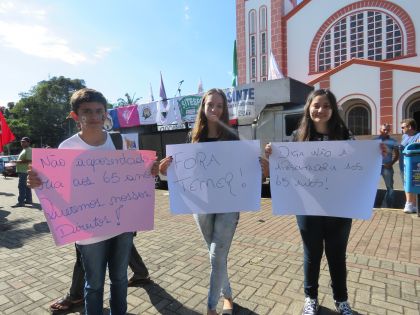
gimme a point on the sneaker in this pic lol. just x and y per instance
(139, 282)
(311, 306)
(409, 208)
(19, 204)
(343, 308)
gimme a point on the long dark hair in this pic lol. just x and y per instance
(337, 129)
(200, 130)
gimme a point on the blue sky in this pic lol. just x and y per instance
(116, 46)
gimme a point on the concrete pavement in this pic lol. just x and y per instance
(265, 263)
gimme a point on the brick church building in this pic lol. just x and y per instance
(365, 51)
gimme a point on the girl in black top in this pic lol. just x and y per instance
(321, 121)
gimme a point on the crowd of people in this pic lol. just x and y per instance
(321, 122)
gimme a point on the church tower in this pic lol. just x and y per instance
(260, 30)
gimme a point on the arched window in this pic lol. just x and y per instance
(370, 34)
(263, 18)
(263, 42)
(358, 120)
(414, 111)
(252, 23)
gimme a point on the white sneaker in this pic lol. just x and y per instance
(311, 306)
(410, 208)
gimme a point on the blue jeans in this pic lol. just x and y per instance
(218, 230)
(334, 232)
(25, 193)
(115, 253)
(388, 176)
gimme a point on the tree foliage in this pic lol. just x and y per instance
(129, 100)
(41, 113)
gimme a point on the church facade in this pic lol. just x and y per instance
(365, 51)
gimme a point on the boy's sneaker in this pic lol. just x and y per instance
(311, 306)
(343, 308)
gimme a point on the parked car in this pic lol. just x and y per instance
(3, 160)
(9, 165)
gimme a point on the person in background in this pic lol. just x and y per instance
(387, 170)
(410, 135)
(22, 162)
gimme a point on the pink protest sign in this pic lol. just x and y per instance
(86, 193)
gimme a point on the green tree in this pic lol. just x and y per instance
(41, 113)
(129, 100)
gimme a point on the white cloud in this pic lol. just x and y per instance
(38, 41)
(187, 12)
(101, 52)
(6, 6)
(25, 27)
(37, 14)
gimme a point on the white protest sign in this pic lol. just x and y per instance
(327, 178)
(214, 177)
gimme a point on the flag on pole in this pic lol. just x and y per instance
(273, 69)
(151, 93)
(235, 66)
(6, 135)
(200, 87)
(162, 92)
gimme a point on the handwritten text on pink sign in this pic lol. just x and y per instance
(95, 192)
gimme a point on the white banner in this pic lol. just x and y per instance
(214, 177)
(327, 178)
(168, 114)
(147, 113)
(241, 102)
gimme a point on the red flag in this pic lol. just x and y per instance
(6, 134)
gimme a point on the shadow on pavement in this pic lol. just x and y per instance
(158, 295)
(42, 227)
(326, 311)
(107, 311)
(3, 215)
(240, 310)
(11, 237)
(7, 194)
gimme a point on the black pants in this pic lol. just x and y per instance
(334, 233)
(135, 263)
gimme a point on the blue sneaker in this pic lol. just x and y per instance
(311, 306)
(343, 308)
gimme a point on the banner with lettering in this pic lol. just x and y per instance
(326, 178)
(214, 177)
(86, 193)
(188, 107)
(241, 103)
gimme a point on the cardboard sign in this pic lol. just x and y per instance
(86, 193)
(327, 178)
(214, 177)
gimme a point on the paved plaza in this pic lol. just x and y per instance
(265, 263)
